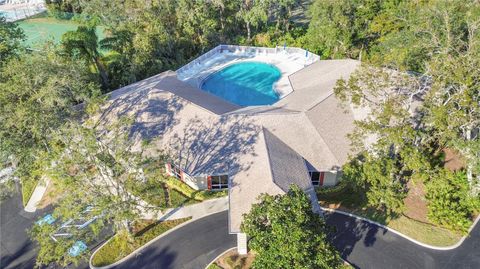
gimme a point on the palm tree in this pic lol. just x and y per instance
(83, 44)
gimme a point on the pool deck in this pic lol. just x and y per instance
(19, 11)
(287, 63)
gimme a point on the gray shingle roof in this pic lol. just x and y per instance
(315, 82)
(201, 98)
(264, 149)
(333, 123)
(286, 165)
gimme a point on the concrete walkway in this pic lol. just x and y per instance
(197, 210)
(36, 197)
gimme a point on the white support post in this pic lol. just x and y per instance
(242, 244)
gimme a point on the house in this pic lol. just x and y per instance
(214, 144)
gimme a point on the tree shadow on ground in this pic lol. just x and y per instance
(348, 232)
(151, 257)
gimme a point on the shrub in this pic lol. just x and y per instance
(450, 203)
(214, 266)
(333, 190)
(198, 195)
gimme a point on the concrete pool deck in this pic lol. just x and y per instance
(287, 60)
(19, 11)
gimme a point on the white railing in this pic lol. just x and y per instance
(14, 11)
(190, 181)
(248, 50)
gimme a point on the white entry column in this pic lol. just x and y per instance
(242, 243)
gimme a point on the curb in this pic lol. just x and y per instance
(216, 258)
(406, 236)
(142, 247)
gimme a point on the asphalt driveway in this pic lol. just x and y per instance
(362, 244)
(365, 245)
(17, 251)
(191, 246)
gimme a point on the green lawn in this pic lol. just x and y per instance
(28, 186)
(159, 194)
(122, 245)
(428, 233)
(42, 29)
(194, 195)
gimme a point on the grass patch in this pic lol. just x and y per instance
(424, 232)
(197, 195)
(41, 29)
(170, 194)
(158, 194)
(344, 199)
(28, 186)
(214, 266)
(122, 244)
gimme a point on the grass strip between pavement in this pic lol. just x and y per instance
(427, 233)
(122, 244)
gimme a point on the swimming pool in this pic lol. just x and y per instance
(244, 84)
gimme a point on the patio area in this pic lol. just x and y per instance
(287, 60)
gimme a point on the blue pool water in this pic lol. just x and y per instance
(244, 84)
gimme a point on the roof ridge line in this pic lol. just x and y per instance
(268, 157)
(319, 102)
(320, 135)
(186, 100)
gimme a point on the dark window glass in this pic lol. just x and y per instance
(315, 177)
(176, 171)
(219, 182)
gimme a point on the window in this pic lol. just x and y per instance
(218, 182)
(176, 171)
(315, 177)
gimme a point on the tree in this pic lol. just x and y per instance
(253, 13)
(453, 109)
(378, 178)
(453, 105)
(38, 93)
(95, 168)
(11, 38)
(8, 182)
(412, 32)
(342, 28)
(283, 12)
(198, 21)
(226, 15)
(390, 136)
(70, 6)
(83, 44)
(285, 233)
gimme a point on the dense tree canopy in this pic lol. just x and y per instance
(414, 116)
(419, 80)
(82, 44)
(95, 168)
(286, 233)
(38, 93)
